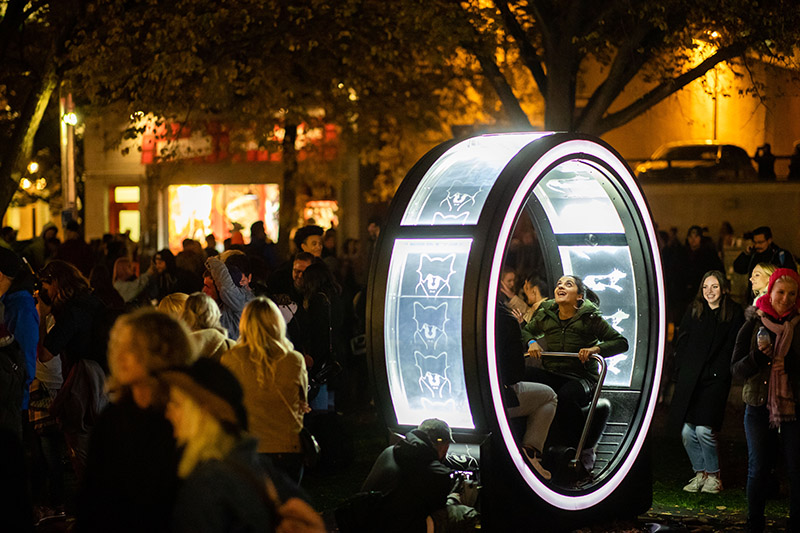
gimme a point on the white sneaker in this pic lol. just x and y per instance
(712, 485)
(696, 483)
(536, 463)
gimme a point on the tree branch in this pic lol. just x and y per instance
(627, 63)
(504, 92)
(665, 89)
(526, 50)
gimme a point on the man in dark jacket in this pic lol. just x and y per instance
(763, 250)
(416, 485)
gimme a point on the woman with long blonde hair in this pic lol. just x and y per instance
(273, 376)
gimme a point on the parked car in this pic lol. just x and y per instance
(703, 161)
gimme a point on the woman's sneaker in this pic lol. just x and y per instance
(536, 463)
(696, 483)
(712, 485)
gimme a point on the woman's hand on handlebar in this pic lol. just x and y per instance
(534, 350)
(585, 353)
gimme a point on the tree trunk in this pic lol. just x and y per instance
(561, 81)
(18, 151)
(287, 217)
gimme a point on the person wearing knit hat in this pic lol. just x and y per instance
(767, 358)
(224, 484)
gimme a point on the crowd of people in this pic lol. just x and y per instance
(205, 368)
(161, 377)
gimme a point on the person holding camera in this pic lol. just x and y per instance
(417, 487)
(763, 250)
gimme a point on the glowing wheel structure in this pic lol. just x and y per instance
(434, 280)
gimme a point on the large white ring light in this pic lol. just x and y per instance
(572, 150)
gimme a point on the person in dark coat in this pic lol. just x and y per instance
(703, 353)
(763, 250)
(131, 477)
(416, 485)
(225, 488)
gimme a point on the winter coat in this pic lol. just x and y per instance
(585, 329)
(702, 359)
(22, 321)
(276, 425)
(224, 495)
(135, 445)
(413, 480)
(751, 365)
(211, 343)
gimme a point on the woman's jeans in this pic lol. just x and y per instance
(538, 403)
(762, 444)
(701, 446)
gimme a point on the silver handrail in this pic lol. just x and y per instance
(595, 397)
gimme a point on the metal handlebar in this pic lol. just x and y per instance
(596, 396)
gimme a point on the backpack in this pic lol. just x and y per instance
(12, 383)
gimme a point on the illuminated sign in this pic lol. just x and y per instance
(423, 322)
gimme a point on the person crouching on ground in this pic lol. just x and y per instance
(416, 485)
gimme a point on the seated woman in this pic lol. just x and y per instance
(535, 401)
(571, 322)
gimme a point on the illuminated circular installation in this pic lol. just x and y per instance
(457, 217)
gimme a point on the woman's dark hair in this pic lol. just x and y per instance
(726, 306)
(167, 256)
(68, 280)
(583, 290)
(535, 281)
(319, 278)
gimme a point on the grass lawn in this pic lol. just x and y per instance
(364, 436)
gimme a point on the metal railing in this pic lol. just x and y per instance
(598, 388)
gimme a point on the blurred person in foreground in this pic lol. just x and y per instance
(131, 481)
(767, 357)
(225, 487)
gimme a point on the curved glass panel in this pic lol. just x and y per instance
(608, 271)
(454, 189)
(422, 328)
(575, 202)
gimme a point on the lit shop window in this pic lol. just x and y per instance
(197, 210)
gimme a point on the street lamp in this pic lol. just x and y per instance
(68, 121)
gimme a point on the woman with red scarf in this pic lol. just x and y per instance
(767, 357)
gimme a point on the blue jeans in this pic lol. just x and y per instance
(701, 446)
(762, 444)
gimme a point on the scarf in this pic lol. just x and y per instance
(780, 400)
